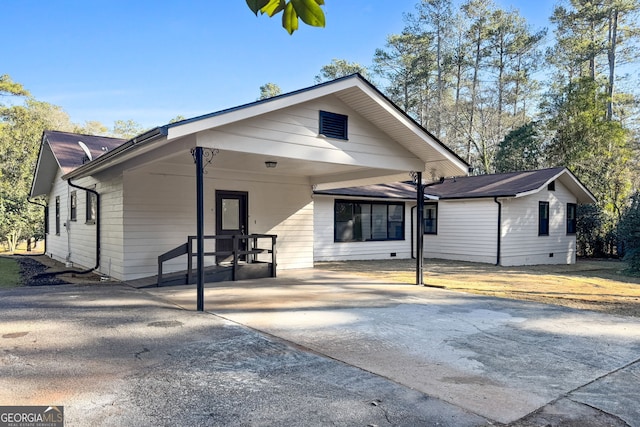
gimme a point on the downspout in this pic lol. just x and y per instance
(495, 199)
(94, 192)
(44, 250)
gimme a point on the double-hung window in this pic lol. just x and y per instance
(74, 206)
(543, 219)
(356, 221)
(91, 208)
(572, 210)
(57, 215)
(430, 218)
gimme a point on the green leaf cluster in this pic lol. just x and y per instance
(307, 10)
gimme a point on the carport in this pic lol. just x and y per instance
(250, 171)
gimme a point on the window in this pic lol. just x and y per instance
(551, 186)
(361, 221)
(57, 215)
(333, 125)
(92, 208)
(430, 218)
(571, 218)
(74, 206)
(543, 219)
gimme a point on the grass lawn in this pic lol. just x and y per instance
(9, 273)
(588, 284)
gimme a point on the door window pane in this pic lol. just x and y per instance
(230, 214)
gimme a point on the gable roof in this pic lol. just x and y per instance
(512, 184)
(353, 90)
(60, 150)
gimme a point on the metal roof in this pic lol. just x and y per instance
(512, 184)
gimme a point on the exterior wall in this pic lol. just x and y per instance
(467, 231)
(325, 249)
(76, 242)
(521, 244)
(160, 202)
(293, 133)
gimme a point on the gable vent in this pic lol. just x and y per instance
(333, 125)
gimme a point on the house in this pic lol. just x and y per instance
(517, 218)
(216, 184)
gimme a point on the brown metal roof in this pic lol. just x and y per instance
(68, 152)
(496, 185)
(510, 184)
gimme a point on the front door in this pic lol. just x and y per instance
(231, 218)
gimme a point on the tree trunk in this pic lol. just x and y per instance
(611, 55)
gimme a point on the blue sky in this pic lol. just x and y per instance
(150, 61)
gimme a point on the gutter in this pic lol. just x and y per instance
(71, 184)
(495, 199)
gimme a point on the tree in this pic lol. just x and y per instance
(340, 68)
(522, 149)
(629, 230)
(401, 63)
(127, 129)
(269, 90)
(177, 119)
(308, 10)
(92, 127)
(21, 128)
(10, 88)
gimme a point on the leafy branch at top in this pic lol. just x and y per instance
(307, 10)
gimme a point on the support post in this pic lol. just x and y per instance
(197, 153)
(419, 230)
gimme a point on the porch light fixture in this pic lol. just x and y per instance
(270, 164)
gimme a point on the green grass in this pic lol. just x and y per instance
(9, 273)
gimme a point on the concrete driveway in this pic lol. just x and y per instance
(503, 360)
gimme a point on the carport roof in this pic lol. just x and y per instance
(354, 90)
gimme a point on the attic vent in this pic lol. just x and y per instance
(551, 186)
(333, 125)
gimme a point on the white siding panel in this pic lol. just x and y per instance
(521, 244)
(160, 214)
(57, 245)
(77, 240)
(467, 231)
(293, 132)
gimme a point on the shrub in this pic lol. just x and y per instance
(629, 233)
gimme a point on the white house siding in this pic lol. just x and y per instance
(467, 231)
(521, 244)
(293, 133)
(57, 244)
(76, 242)
(160, 212)
(325, 249)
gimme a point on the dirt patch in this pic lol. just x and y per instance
(589, 285)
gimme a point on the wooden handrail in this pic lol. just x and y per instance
(236, 252)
